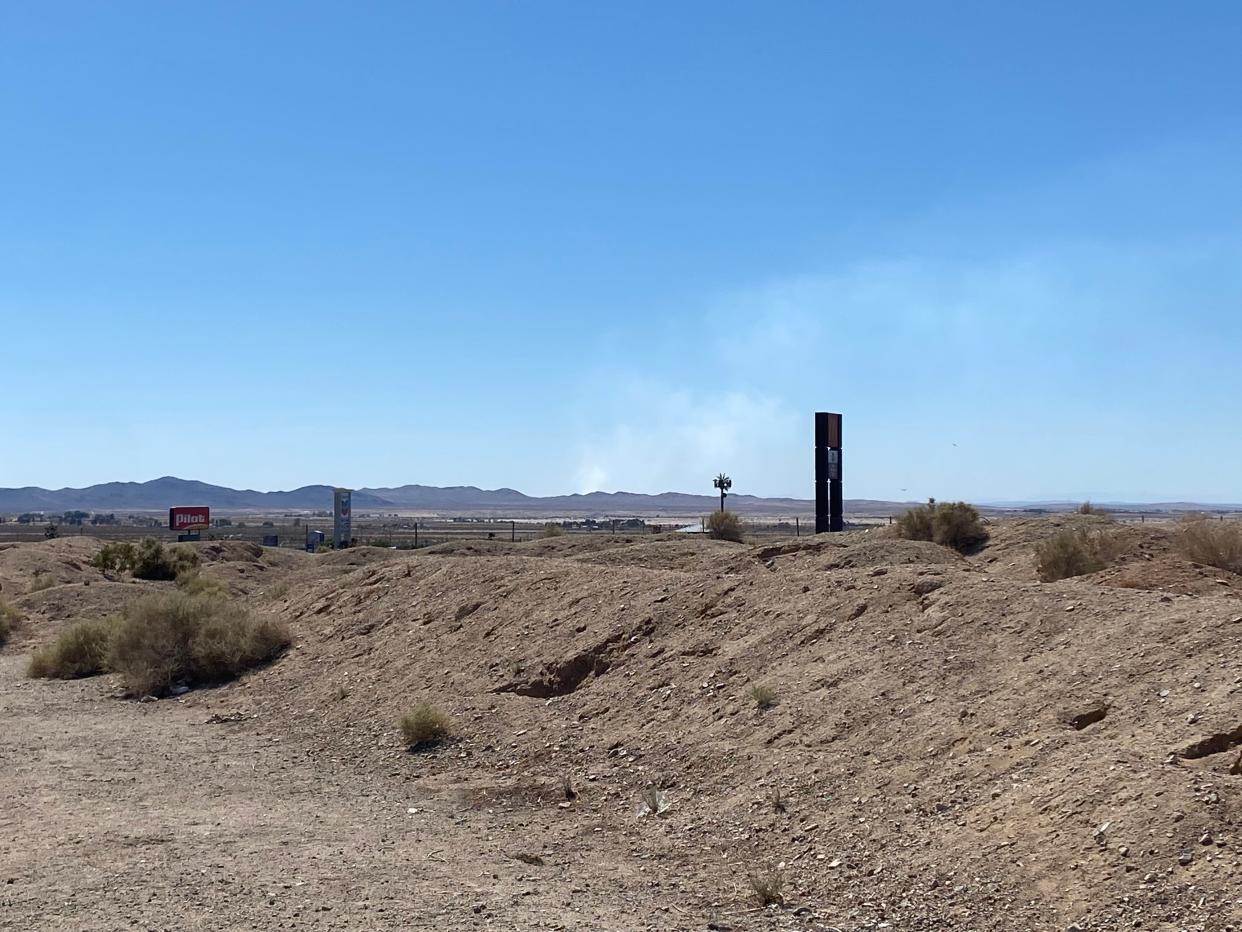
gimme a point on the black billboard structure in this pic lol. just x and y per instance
(342, 518)
(829, 504)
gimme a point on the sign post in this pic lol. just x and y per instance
(341, 519)
(829, 504)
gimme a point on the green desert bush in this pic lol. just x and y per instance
(425, 724)
(951, 524)
(177, 637)
(116, 557)
(724, 525)
(1074, 552)
(1214, 543)
(155, 561)
(149, 560)
(79, 650)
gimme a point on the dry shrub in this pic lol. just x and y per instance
(724, 525)
(1086, 508)
(425, 724)
(176, 637)
(79, 650)
(1074, 552)
(197, 584)
(552, 529)
(10, 617)
(1213, 543)
(950, 524)
(764, 696)
(916, 524)
(768, 886)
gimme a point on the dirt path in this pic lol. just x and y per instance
(120, 815)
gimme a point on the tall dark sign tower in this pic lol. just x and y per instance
(829, 505)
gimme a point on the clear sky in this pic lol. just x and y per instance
(575, 246)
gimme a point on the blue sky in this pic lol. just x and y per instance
(567, 246)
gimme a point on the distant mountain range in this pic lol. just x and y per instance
(160, 494)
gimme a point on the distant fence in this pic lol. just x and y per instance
(410, 533)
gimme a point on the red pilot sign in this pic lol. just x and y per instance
(189, 518)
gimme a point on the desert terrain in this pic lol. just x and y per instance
(945, 743)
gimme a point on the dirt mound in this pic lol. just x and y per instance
(679, 553)
(357, 556)
(966, 744)
(894, 552)
(1171, 573)
(30, 567)
(470, 548)
(1147, 555)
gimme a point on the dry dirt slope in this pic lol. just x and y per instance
(953, 744)
(922, 741)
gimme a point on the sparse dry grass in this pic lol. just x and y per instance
(655, 801)
(763, 696)
(1213, 543)
(42, 580)
(79, 650)
(425, 724)
(724, 525)
(1074, 552)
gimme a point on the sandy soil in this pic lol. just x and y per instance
(953, 745)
